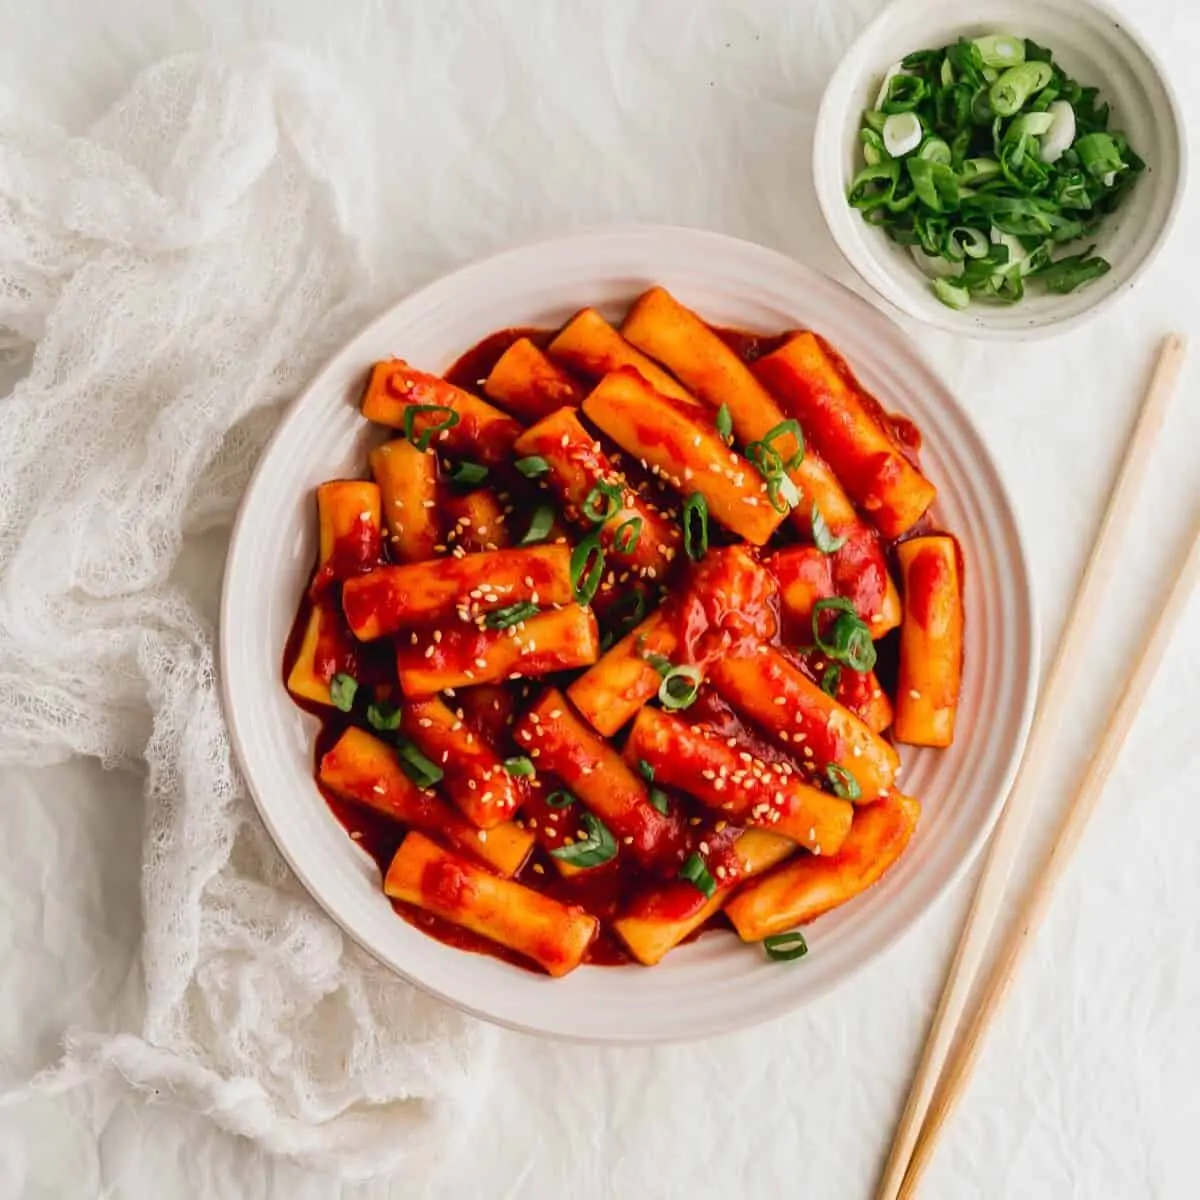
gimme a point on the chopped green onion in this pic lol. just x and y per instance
(383, 716)
(831, 680)
(585, 578)
(935, 150)
(695, 526)
(904, 93)
(902, 134)
(848, 640)
(680, 687)
(695, 872)
(724, 423)
(999, 50)
(782, 493)
(627, 536)
(660, 662)
(843, 783)
(784, 429)
(784, 947)
(610, 494)
(560, 799)
(657, 796)
(1099, 155)
(823, 537)
(342, 690)
(773, 467)
(512, 614)
(447, 420)
(423, 772)
(1067, 274)
(1015, 86)
(540, 525)
(533, 466)
(597, 847)
(519, 765)
(983, 137)
(467, 474)
(951, 295)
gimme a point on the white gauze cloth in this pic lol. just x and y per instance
(171, 279)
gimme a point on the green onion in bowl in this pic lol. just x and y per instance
(987, 159)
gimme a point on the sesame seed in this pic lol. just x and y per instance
(356, 834)
(379, 789)
(482, 835)
(481, 663)
(780, 699)
(429, 504)
(913, 694)
(424, 722)
(628, 841)
(858, 752)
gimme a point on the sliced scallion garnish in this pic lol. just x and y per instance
(602, 502)
(587, 567)
(532, 466)
(823, 537)
(342, 690)
(724, 423)
(383, 716)
(512, 614)
(695, 872)
(680, 686)
(594, 849)
(421, 770)
(848, 639)
(831, 680)
(784, 947)
(843, 783)
(540, 525)
(627, 536)
(695, 526)
(444, 418)
(519, 765)
(467, 474)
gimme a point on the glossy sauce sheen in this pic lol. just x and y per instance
(621, 886)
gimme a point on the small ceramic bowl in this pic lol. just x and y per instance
(1096, 47)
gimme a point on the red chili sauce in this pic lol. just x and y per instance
(621, 886)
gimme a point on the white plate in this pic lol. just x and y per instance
(715, 984)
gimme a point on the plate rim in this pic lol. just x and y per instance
(1025, 593)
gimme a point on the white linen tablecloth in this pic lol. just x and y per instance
(701, 114)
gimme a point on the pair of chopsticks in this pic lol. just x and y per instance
(940, 1079)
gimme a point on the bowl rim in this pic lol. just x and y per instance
(1028, 690)
(954, 322)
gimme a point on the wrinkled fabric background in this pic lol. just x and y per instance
(494, 123)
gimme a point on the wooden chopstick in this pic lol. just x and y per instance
(1052, 709)
(1037, 899)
